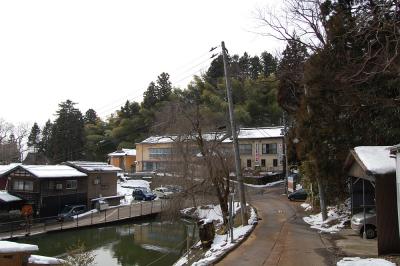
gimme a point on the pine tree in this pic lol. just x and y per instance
(290, 75)
(255, 67)
(34, 136)
(269, 64)
(164, 87)
(150, 96)
(67, 136)
(90, 116)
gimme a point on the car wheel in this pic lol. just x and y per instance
(370, 232)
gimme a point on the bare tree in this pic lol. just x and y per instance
(298, 20)
(198, 148)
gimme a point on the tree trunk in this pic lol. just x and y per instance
(322, 200)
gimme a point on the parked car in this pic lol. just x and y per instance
(142, 194)
(70, 211)
(357, 223)
(300, 194)
(163, 192)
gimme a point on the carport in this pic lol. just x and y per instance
(372, 173)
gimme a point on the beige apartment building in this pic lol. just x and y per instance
(260, 148)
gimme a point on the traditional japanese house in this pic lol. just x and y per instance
(102, 181)
(48, 188)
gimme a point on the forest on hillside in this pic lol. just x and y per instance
(75, 135)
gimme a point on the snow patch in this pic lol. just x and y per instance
(306, 206)
(36, 259)
(337, 217)
(11, 247)
(356, 261)
(266, 185)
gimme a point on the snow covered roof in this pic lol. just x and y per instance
(36, 259)
(376, 159)
(12, 247)
(123, 152)
(6, 197)
(93, 166)
(159, 139)
(6, 168)
(259, 133)
(48, 171)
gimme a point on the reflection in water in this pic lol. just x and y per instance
(127, 244)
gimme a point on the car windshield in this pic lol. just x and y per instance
(66, 209)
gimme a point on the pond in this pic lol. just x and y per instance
(144, 243)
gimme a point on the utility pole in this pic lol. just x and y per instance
(243, 209)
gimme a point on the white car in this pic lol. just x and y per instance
(163, 192)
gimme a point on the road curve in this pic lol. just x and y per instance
(281, 237)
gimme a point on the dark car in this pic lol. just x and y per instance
(300, 194)
(142, 194)
(70, 211)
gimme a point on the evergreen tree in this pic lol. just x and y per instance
(90, 116)
(44, 144)
(34, 136)
(164, 87)
(290, 75)
(269, 64)
(255, 67)
(150, 96)
(67, 136)
(244, 64)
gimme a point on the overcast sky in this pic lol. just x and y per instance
(101, 53)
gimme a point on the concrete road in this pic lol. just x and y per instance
(281, 237)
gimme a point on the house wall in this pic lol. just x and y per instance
(126, 163)
(143, 156)
(106, 186)
(386, 210)
(256, 156)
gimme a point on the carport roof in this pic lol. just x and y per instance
(374, 160)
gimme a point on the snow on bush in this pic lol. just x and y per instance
(356, 261)
(306, 206)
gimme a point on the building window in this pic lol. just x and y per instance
(71, 184)
(159, 152)
(148, 166)
(275, 162)
(59, 186)
(248, 163)
(245, 149)
(270, 148)
(262, 162)
(23, 185)
(51, 185)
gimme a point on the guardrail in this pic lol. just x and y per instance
(25, 227)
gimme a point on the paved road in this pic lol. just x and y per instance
(281, 237)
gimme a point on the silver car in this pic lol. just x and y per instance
(357, 223)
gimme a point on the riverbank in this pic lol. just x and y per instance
(222, 243)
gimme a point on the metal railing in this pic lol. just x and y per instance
(23, 227)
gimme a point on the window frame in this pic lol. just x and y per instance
(267, 148)
(71, 184)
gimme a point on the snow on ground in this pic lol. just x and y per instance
(337, 216)
(36, 259)
(208, 212)
(266, 185)
(125, 188)
(222, 243)
(86, 213)
(356, 261)
(306, 206)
